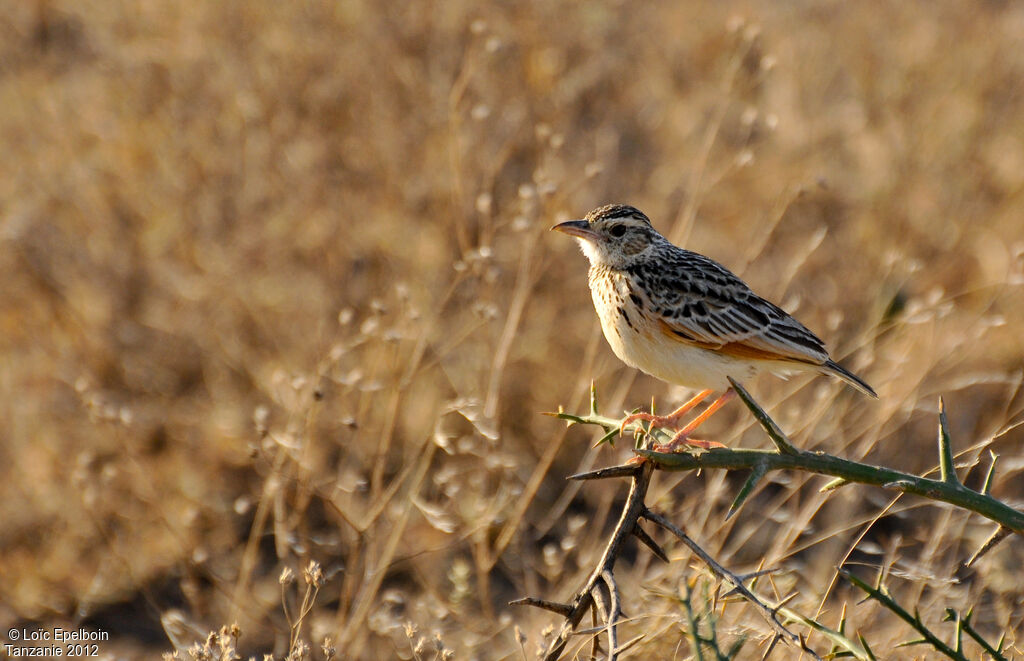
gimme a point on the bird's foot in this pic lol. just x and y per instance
(663, 421)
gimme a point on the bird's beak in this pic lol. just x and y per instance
(578, 228)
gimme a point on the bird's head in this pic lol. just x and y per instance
(613, 235)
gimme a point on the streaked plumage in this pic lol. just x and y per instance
(683, 317)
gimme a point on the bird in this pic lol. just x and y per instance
(686, 319)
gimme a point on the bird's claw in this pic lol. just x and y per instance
(663, 421)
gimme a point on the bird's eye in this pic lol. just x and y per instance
(617, 231)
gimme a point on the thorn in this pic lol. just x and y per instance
(565, 610)
(756, 474)
(609, 438)
(911, 643)
(625, 646)
(1001, 533)
(881, 577)
(778, 437)
(771, 646)
(959, 635)
(755, 575)
(759, 573)
(987, 487)
(834, 484)
(562, 415)
(804, 646)
(593, 398)
(589, 631)
(867, 648)
(946, 466)
(649, 542)
(622, 470)
(785, 601)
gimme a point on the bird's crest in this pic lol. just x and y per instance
(611, 211)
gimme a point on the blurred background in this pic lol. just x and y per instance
(278, 287)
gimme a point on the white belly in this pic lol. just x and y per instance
(642, 344)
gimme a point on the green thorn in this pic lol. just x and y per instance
(991, 474)
(834, 484)
(593, 399)
(881, 577)
(946, 466)
(570, 418)
(748, 487)
(609, 438)
(911, 643)
(867, 648)
(778, 437)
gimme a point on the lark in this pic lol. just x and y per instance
(686, 319)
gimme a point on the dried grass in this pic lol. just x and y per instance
(278, 288)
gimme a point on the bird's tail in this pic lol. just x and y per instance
(835, 368)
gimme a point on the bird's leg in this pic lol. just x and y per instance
(665, 420)
(682, 437)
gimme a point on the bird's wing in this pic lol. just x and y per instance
(704, 304)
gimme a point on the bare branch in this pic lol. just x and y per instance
(601, 578)
(601, 591)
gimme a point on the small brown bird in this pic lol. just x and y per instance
(685, 318)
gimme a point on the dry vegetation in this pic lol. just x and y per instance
(277, 287)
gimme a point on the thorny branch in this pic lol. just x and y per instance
(600, 593)
(590, 595)
(947, 488)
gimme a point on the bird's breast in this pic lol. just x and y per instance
(632, 329)
(622, 315)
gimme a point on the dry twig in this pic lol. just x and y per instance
(600, 593)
